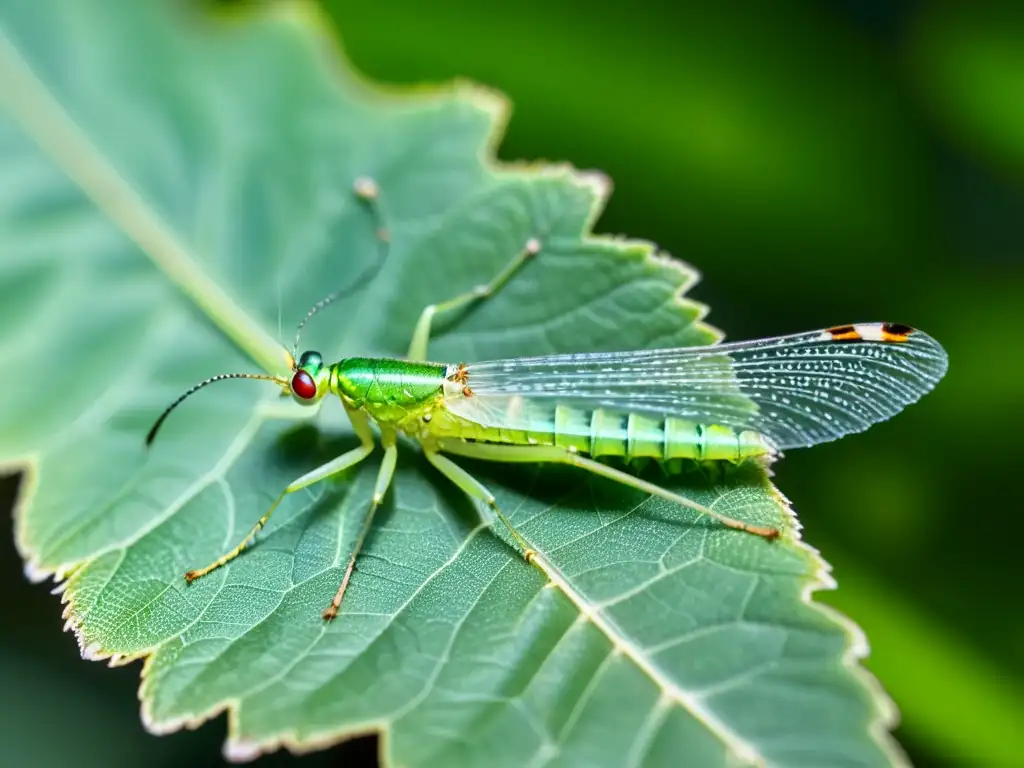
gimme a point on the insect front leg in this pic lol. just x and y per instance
(554, 454)
(384, 475)
(421, 334)
(348, 459)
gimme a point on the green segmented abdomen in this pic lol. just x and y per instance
(637, 435)
(600, 432)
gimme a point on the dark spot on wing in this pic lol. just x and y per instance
(844, 333)
(896, 331)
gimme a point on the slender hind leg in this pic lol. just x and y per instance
(343, 462)
(554, 454)
(421, 335)
(477, 490)
(384, 475)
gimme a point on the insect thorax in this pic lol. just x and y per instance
(389, 390)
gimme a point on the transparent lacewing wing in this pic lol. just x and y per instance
(795, 391)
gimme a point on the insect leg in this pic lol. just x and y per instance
(554, 454)
(343, 462)
(384, 475)
(421, 334)
(475, 489)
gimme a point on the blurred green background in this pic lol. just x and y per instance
(820, 162)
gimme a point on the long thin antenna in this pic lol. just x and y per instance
(200, 385)
(367, 190)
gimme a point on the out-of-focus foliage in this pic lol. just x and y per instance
(872, 149)
(970, 64)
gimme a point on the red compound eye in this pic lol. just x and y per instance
(303, 385)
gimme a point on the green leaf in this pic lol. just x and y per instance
(174, 192)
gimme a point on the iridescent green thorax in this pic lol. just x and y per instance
(388, 388)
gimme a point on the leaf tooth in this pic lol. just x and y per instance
(35, 572)
(93, 653)
(241, 750)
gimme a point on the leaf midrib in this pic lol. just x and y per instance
(621, 644)
(58, 135)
